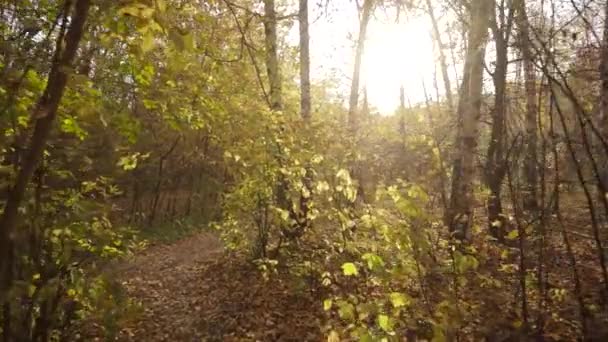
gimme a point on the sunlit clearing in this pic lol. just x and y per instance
(397, 54)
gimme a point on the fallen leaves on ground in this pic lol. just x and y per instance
(192, 291)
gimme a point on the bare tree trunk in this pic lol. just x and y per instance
(531, 136)
(496, 163)
(603, 102)
(159, 180)
(272, 57)
(304, 61)
(442, 170)
(354, 89)
(460, 214)
(305, 107)
(442, 60)
(43, 116)
(353, 104)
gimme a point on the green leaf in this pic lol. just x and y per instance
(399, 299)
(465, 262)
(349, 269)
(346, 310)
(385, 323)
(322, 186)
(327, 304)
(344, 175)
(514, 234)
(374, 261)
(31, 288)
(69, 125)
(188, 40)
(147, 42)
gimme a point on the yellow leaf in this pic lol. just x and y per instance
(327, 304)
(333, 337)
(514, 234)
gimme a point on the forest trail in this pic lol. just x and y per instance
(190, 290)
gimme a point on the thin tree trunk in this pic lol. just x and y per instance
(354, 89)
(603, 101)
(531, 136)
(460, 213)
(43, 116)
(305, 108)
(354, 114)
(442, 60)
(442, 171)
(159, 180)
(496, 163)
(272, 57)
(304, 61)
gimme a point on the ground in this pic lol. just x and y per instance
(191, 290)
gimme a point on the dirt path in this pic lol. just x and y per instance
(191, 291)
(166, 280)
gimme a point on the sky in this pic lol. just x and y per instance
(396, 53)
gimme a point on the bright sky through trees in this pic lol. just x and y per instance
(399, 51)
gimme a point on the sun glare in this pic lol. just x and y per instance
(397, 54)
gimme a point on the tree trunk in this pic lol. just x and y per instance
(304, 61)
(460, 214)
(496, 163)
(353, 110)
(354, 89)
(43, 116)
(442, 60)
(531, 118)
(305, 107)
(272, 58)
(603, 102)
(159, 180)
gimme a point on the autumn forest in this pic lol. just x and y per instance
(277, 170)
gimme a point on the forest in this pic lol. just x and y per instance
(278, 170)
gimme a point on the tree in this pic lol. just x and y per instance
(43, 116)
(459, 216)
(272, 55)
(496, 162)
(442, 59)
(353, 103)
(304, 61)
(531, 121)
(603, 99)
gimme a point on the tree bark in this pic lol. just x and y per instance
(460, 214)
(442, 59)
(159, 179)
(603, 101)
(531, 118)
(354, 89)
(304, 61)
(496, 163)
(43, 116)
(272, 57)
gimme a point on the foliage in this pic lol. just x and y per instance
(165, 125)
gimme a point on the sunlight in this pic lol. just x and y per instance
(397, 54)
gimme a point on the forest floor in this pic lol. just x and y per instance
(191, 290)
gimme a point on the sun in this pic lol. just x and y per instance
(397, 54)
